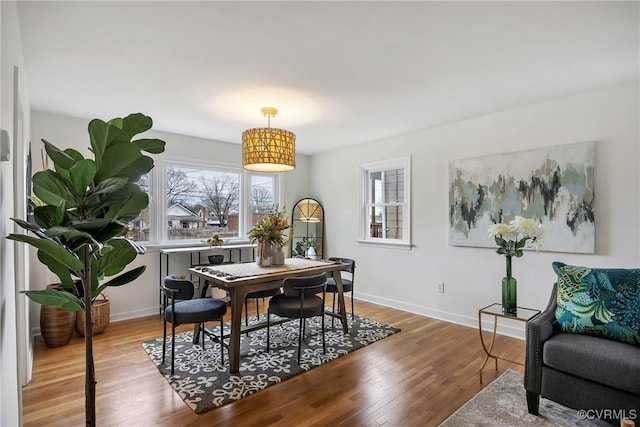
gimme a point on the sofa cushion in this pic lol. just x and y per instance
(599, 301)
(600, 360)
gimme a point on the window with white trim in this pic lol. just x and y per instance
(190, 201)
(385, 216)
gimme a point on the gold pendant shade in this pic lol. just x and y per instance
(268, 149)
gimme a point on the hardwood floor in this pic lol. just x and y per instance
(417, 377)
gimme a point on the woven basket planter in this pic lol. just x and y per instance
(56, 324)
(100, 315)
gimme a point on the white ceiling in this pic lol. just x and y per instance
(340, 73)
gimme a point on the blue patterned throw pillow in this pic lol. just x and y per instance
(599, 301)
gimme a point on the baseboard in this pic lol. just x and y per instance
(134, 314)
(471, 322)
(117, 317)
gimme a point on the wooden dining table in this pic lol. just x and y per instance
(241, 278)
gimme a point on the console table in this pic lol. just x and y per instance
(195, 257)
(495, 311)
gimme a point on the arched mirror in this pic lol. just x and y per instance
(308, 237)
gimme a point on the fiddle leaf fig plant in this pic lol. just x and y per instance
(80, 220)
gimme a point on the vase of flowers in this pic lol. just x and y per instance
(271, 235)
(511, 240)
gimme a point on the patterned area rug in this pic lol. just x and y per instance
(503, 403)
(204, 384)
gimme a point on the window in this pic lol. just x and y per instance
(262, 197)
(195, 201)
(138, 229)
(385, 217)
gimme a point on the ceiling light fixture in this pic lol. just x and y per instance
(268, 149)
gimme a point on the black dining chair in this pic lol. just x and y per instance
(179, 308)
(299, 301)
(347, 283)
(257, 295)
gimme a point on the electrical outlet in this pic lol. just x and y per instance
(441, 288)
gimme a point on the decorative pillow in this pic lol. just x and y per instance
(599, 301)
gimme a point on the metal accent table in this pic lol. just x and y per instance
(523, 314)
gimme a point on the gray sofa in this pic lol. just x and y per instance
(580, 371)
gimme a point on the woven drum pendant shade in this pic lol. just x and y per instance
(268, 149)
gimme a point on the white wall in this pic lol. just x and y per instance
(472, 276)
(141, 297)
(15, 349)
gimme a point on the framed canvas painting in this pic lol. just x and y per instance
(554, 186)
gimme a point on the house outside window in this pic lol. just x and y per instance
(385, 216)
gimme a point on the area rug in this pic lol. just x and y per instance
(204, 384)
(503, 403)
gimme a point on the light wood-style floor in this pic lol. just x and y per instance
(417, 377)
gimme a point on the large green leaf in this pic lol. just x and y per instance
(91, 225)
(60, 213)
(81, 176)
(102, 135)
(69, 233)
(138, 168)
(98, 131)
(153, 146)
(28, 226)
(108, 200)
(101, 229)
(136, 123)
(129, 210)
(48, 187)
(59, 157)
(116, 158)
(61, 299)
(51, 248)
(109, 185)
(57, 268)
(116, 256)
(74, 154)
(46, 216)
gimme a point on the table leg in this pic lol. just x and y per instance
(343, 313)
(484, 346)
(161, 277)
(237, 294)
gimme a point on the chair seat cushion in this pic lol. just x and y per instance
(196, 310)
(285, 306)
(347, 285)
(596, 359)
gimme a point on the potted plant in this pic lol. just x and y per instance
(271, 237)
(79, 229)
(214, 241)
(307, 247)
(311, 247)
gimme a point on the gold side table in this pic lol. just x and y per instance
(495, 310)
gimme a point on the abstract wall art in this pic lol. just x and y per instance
(554, 185)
